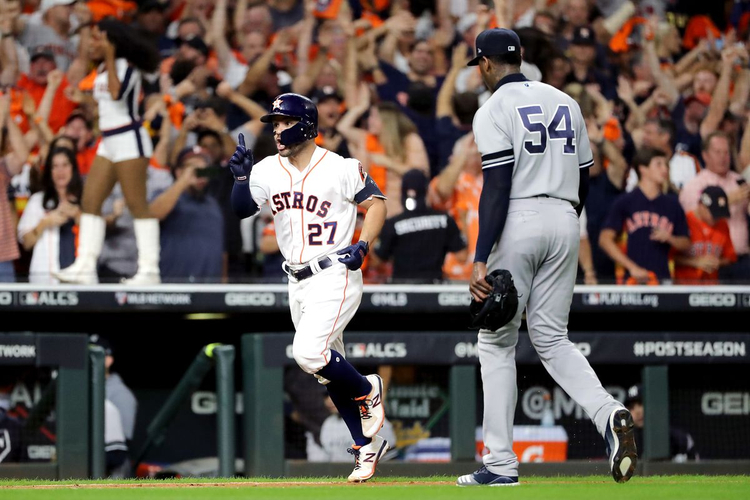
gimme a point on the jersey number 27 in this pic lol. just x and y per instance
(560, 127)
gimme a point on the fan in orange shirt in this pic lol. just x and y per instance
(457, 189)
(710, 246)
(35, 84)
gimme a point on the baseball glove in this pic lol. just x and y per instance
(499, 307)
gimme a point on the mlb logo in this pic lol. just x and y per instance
(30, 299)
(121, 298)
(511, 48)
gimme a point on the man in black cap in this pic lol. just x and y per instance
(419, 238)
(583, 56)
(681, 444)
(535, 159)
(710, 244)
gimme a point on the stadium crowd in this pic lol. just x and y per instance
(663, 86)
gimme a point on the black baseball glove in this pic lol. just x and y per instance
(499, 307)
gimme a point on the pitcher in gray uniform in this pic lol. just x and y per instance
(535, 160)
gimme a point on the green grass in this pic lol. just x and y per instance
(533, 488)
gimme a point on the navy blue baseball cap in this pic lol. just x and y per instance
(717, 202)
(496, 42)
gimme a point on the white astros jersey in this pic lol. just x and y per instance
(314, 210)
(540, 131)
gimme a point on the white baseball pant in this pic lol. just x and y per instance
(322, 307)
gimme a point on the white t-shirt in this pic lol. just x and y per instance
(45, 257)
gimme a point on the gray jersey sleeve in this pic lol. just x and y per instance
(494, 140)
(585, 157)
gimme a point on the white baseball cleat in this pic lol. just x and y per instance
(372, 408)
(366, 458)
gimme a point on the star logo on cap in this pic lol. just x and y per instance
(277, 103)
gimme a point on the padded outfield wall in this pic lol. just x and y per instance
(700, 333)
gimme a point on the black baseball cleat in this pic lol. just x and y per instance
(620, 440)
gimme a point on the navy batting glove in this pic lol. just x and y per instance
(241, 162)
(355, 255)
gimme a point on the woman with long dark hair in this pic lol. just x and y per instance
(123, 153)
(47, 223)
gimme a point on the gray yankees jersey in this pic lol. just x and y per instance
(540, 131)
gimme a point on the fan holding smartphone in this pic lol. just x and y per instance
(190, 218)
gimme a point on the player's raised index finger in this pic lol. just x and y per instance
(242, 140)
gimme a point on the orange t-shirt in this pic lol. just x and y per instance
(621, 41)
(463, 206)
(120, 9)
(378, 172)
(62, 107)
(86, 157)
(705, 240)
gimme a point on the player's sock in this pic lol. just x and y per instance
(349, 411)
(348, 379)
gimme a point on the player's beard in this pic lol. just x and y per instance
(293, 150)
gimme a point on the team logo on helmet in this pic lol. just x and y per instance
(277, 104)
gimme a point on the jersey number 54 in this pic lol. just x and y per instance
(559, 127)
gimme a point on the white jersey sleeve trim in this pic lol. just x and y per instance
(492, 159)
(498, 163)
(504, 164)
(587, 164)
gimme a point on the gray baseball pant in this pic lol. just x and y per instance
(539, 246)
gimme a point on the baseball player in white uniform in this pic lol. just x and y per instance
(313, 194)
(535, 160)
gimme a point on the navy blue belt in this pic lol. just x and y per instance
(133, 126)
(307, 271)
